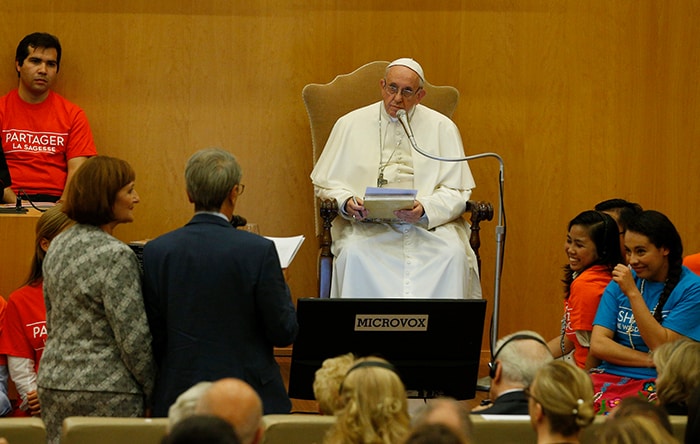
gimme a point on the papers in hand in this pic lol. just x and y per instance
(382, 202)
(287, 248)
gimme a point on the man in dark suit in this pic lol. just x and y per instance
(216, 298)
(517, 358)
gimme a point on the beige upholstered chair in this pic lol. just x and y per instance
(325, 103)
(23, 430)
(104, 430)
(296, 428)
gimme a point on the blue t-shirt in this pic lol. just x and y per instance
(681, 313)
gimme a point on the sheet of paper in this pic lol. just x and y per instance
(287, 248)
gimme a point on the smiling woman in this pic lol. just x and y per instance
(652, 301)
(592, 246)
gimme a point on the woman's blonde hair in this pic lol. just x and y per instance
(49, 225)
(678, 367)
(632, 430)
(565, 393)
(375, 406)
(327, 380)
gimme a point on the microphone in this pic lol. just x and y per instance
(500, 229)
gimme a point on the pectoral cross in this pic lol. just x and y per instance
(381, 180)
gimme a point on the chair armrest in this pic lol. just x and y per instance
(480, 211)
(328, 211)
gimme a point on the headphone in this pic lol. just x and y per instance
(362, 364)
(518, 337)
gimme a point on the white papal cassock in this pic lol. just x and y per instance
(431, 259)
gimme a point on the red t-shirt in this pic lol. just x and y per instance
(39, 139)
(3, 309)
(24, 332)
(580, 308)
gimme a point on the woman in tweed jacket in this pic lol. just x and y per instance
(98, 359)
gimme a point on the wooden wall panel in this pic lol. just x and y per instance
(584, 101)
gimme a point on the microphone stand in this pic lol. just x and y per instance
(500, 228)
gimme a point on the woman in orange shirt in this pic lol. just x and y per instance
(593, 248)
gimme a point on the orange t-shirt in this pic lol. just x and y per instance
(581, 306)
(692, 261)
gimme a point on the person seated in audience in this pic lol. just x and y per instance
(207, 429)
(24, 330)
(631, 430)
(592, 248)
(446, 411)
(327, 380)
(652, 301)
(375, 406)
(692, 261)
(678, 367)
(692, 427)
(634, 406)
(237, 402)
(185, 404)
(560, 403)
(5, 403)
(622, 211)
(517, 358)
(434, 433)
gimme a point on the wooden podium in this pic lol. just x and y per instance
(17, 233)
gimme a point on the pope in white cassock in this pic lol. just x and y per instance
(427, 253)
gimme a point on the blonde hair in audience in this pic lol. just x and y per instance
(633, 430)
(327, 380)
(375, 406)
(565, 393)
(678, 367)
(49, 225)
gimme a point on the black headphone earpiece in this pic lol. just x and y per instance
(519, 337)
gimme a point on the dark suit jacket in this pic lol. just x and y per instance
(217, 304)
(511, 403)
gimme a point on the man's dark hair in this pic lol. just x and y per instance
(38, 40)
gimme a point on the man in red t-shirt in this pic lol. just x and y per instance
(45, 138)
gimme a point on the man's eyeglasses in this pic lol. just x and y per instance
(406, 93)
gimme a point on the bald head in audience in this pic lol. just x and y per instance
(449, 412)
(237, 402)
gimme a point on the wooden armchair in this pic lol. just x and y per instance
(325, 103)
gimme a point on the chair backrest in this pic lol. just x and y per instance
(23, 430)
(104, 430)
(296, 428)
(326, 103)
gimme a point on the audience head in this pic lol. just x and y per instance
(517, 358)
(52, 222)
(593, 239)
(101, 192)
(448, 412)
(561, 400)
(375, 405)
(678, 367)
(202, 429)
(327, 380)
(37, 40)
(238, 403)
(634, 406)
(622, 211)
(435, 433)
(213, 177)
(185, 404)
(661, 260)
(632, 430)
